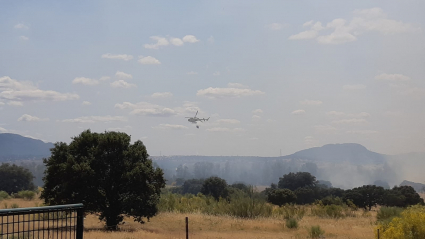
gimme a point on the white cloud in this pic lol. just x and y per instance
(190, 39)
(311, 102)
(2, 103)
(342, 114)
(21, 26)
(309, 34)
(147, 109)
(219, 93)
(29, 118)
(95, 119)
(85, 81)
(124, 57)
(392, 77)
(104, 78)
(24, 38)
(298, 112)
(160, 41)
(350, 121)
(256, 117)
(228, 121)
(237, 85)
(304, 35)
(86, 103)
(309, 23)
(15, 103)
(229, 130)
(123, 75)
(161, 95)
(308, 139)
(275, 26)
(170, 127)
(217, 73)
(366, 20)
(362, 132)
(11, 89)
(192, 73)
(257, 111)
(176, 41)
(3, 130)
(354, 87)
(148, 60)
(122, 84)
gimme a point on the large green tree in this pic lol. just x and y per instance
(366, 196)
(215, 187)
(293, 181)
(106, 173)
(281, 197)
(15, 178)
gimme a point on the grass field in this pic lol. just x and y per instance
(172, 225)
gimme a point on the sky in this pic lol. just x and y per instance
(274, 77)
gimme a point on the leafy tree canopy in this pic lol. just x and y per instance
(366, 196)
(106, 173)
(281, 197)
(15, 178)
(215, 187)
(293, 181)
(192, 186)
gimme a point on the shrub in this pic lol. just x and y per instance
(3, 195)
(291, 223)
(27, 195)
(315, 232)
(408, 225)
(290, 211)
(331, 211)
(386, 214)
(14, 205)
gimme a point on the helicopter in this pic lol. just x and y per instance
(196, 119)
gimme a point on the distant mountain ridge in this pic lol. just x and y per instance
(15, 146)
(354, 153)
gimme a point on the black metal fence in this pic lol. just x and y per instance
(64, 221)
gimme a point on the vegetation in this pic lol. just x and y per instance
(107, 174)
(293, 181)
(281, 197)
(14, 178)
(4, 195)
(408, 225)
(27, 195)
(215, 187)
(315, 232)
(291, 223)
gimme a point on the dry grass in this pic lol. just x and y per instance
(172, 225)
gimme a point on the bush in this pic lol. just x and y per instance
(386, 214)
(331, 211)
(27, 195)
(290, 211)
(315, 232)
(3, 195)
(408, 225)
(291, 223)
(14, 205)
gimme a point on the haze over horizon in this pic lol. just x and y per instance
(278, 76)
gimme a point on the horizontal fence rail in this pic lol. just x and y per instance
(53, 222)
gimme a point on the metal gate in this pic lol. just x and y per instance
(64, 221)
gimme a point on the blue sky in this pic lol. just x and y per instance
(281, 75)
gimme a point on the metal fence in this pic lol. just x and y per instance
(64, 221)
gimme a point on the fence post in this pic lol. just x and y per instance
(80, 223)
(187, 228)
(378, 233)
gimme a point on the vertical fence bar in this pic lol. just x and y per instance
(80, 223)
(187, 228)
(378, 233)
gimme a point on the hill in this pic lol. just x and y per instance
(14, 146)
(353, 153)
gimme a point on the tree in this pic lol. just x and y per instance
(14, 178)
(366, 196)
(411, 196)
(192, 186)
(293, 181)
(106, 173)
(281, 197)
(215, 187)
